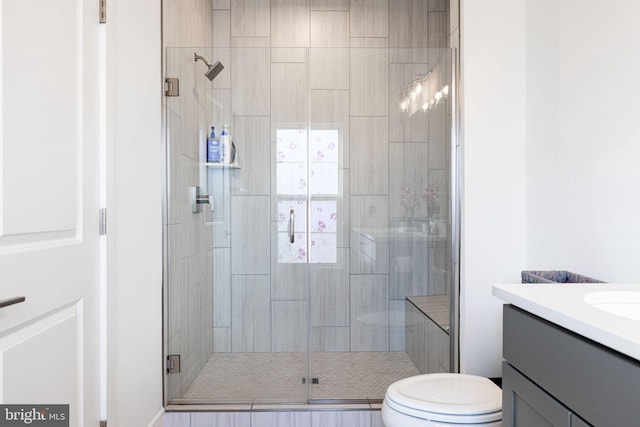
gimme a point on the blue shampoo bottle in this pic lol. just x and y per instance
(213, 147)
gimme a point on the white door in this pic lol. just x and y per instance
(49, 199)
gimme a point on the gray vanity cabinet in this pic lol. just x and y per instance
(554, 377)
(527, 405)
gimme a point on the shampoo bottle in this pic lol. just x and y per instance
(213, 148)
(225, 145)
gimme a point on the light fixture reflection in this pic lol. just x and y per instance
(416, 92)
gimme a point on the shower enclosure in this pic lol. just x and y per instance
(317, 267)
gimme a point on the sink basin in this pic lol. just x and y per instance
(620, 303)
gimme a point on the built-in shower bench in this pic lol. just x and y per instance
(427, 332)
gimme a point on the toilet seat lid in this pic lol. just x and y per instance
(451, 394)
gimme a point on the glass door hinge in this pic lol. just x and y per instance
(172, 87)
(173, 364)
(103, 11)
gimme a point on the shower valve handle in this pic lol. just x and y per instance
(198, 199)
(292, 231)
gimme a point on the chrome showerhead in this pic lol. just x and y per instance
(212, 70)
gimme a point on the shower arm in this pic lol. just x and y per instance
(201, 58)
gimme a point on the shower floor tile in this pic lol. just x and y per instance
(278, 377)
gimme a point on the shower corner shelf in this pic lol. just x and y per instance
(223, 165)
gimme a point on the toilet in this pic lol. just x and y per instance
(438, 400)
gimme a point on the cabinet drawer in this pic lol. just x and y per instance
(526, 405)
(593, 381)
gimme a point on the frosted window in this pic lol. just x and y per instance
(311, 173)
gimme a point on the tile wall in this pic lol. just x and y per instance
(352, 418)
(339, 65)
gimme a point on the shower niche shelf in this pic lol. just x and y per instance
(223, 165)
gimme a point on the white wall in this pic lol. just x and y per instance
(567, 69)
(135, 209)
(583, 138)
(493, 206)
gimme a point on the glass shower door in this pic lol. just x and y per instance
(236, 285)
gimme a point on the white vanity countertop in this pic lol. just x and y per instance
(564, 305)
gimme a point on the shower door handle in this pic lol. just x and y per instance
(292, 230)
(11, 301)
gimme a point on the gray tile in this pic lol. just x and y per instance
(175, 288)
(408, 23)
(405, 55)
(329, 4)
(369, 246)
(330, 292)
(250, 235)
(250, 81)
(289, 54)
(220, 189)
(330, 338)
(289, 93)
(221, 4)
(222, 340)
(341, 418)
(281, 419)
(221, 28)
(288, 280)
(174, 136)
(221, 287)
(408, 259)
(376, 419)
(439, 182)
(250, 18)
(330, 110)
(330, 29)
(222, 80)
(253, 147)
(369, 81)
(289, 326)
(226, 419)
(369, 313)
(438, 29)
(359, 42)
(369, 18)
(290, 23)
(251, 314)
(438, 5)
(221, 108)
(408, 181)
(439, 138)
(411, 125)
(397, 325)
(369, 156)
(329, 68)
(247, 42)
(177, 419)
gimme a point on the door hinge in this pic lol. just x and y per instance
(103, 11)
(103, 423)
(172, 86)
(173, 364)
(102, 230)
